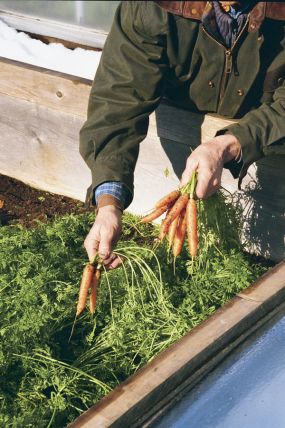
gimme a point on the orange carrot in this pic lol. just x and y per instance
(154, 214)
(93, 291)
(168, 199)
(192, 233)
(86, 280)
(180, 234)
(179, 205)
(172, 231)
(162, 234)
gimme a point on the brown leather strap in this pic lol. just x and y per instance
(105, 200)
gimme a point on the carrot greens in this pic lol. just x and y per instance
(141, 308)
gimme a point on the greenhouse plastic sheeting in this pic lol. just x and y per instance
(245, 391)
(91, 14)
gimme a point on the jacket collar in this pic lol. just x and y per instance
(195, 9)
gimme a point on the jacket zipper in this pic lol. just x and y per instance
(228, 60)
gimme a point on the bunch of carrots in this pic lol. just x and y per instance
(181, 218)
(90, 280)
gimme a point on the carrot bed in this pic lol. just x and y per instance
(141, 308)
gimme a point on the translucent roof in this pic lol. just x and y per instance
(92, 14)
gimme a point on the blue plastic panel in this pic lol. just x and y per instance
(246, 391)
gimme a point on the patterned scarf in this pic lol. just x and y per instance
(225, 27)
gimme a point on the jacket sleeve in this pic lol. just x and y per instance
(127, 87)
(261, 132)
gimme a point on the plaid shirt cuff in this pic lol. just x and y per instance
(113, 188)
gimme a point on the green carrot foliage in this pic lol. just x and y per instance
(143, 307)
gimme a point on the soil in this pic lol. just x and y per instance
(26, 205)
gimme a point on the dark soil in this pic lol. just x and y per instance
(26, 205)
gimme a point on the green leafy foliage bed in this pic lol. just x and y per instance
(143, 307)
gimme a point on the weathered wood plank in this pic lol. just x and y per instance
(39, 146)
(29, 102)
(68, 94)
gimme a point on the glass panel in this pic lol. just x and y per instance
(91, 14)
(246, 390)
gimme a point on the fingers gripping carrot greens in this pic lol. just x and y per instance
(181, 217)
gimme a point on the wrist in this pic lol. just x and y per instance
(110, 201)
(110, 209)
(229, 147)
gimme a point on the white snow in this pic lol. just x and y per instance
(19, 46)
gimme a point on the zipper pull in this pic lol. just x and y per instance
(229, 61)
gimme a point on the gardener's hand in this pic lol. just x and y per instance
(208, 159)
(103, 236)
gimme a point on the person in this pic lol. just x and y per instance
(226, 58)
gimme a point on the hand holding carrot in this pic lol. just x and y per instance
(208, 160)
(103, 235)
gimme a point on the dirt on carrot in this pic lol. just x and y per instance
(168, 199)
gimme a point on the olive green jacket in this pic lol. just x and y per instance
(152, 52)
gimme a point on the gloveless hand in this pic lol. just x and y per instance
(208, 160)
(104, 234)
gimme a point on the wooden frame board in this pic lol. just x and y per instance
(47, 88)
(41, 114)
